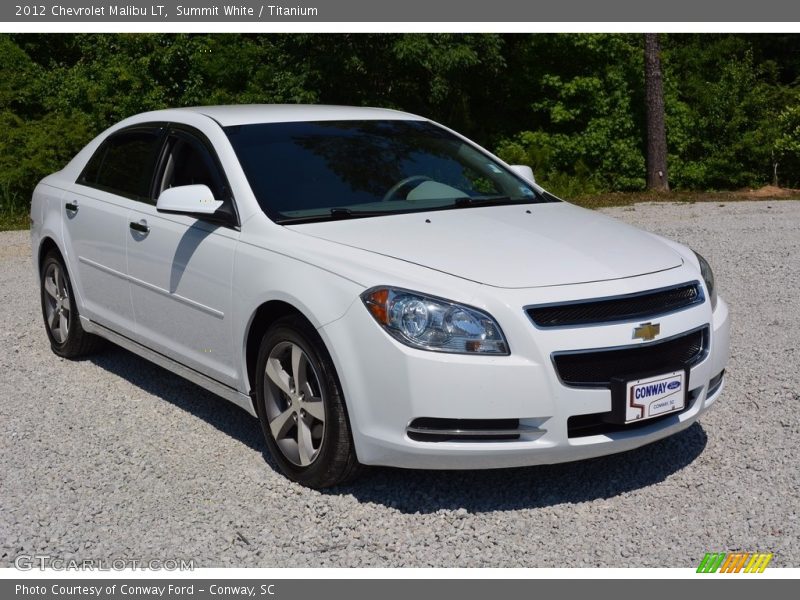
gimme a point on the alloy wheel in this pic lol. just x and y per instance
(57, 303)
(294, 402)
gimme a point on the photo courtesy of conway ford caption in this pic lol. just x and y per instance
(376, 289)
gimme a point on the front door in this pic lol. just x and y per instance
(180, 268)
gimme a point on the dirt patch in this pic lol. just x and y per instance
(768, 191)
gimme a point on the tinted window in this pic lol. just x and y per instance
(92, 169)
(305, 169)
(124, 163)
(190, 163)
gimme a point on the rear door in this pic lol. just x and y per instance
(181, 267)
(95, 210)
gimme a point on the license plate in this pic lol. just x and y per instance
(655, 396)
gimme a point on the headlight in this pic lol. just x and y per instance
(434, 324)
(708, 277)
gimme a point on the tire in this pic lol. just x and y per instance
(307, 429)
(60, 312)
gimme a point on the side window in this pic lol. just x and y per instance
(190, 163)
(92, 168)
(124, 164)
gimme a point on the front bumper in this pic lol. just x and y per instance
(388, 385)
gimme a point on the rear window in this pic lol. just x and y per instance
(124, 164)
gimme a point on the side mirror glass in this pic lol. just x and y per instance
(524, 171)
(188, 199)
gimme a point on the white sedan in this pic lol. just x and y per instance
(376, 289)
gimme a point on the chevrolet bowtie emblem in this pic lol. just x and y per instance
(646, 331)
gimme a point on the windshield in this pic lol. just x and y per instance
(312, 171)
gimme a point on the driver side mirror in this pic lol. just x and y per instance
(524, 171)
(188, 200)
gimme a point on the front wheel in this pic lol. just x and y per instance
(301, 407)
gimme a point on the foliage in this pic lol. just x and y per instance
(569, 105)
(586, 114)
(722, 110)
(787, 145)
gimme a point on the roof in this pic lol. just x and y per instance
(283, 113)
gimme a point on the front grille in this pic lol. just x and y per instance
(600, 424)
(620, 308)
(594, 424)
(596, 368)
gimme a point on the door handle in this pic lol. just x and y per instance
(140, 226)
(71, 207)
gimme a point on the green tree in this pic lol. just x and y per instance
(569, 105)
(586, 112)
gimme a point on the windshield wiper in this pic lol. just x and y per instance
(334, 214)
(339, 213)
(470, 201)
(346, 213)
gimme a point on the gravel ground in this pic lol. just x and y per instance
(113, 457)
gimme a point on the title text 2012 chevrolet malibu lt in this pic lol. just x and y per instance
(376, 288)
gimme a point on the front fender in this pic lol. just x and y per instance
(262, 276)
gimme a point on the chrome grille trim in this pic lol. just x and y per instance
(522, 429)
(434, 429)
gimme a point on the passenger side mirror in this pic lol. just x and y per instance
(189, 200)
(524, 171)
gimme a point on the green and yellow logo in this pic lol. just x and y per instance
(736, 562)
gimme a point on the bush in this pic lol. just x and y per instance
(571, 105)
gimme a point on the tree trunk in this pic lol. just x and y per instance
(774, 169)
(656, 130)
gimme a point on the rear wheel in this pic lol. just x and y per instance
(61, 319)
(301, 406)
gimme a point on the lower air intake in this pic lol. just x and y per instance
(428, 429)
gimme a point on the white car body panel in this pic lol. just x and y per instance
(46, 220)
(181, 281)
(479, 244)
(92, 237)
(185, 296)
(287, 113)
(522, 386)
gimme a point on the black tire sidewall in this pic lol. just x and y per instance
(62, 349)
(337, 442)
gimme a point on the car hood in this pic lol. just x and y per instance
(531, 245)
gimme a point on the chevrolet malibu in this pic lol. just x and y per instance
(376, 289)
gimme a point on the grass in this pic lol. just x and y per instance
(11, 220)
(17, 217)
(14, 210)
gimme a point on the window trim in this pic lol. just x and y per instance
(165, 128)
(158, 127)
(181, 129)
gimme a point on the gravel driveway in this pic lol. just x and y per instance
(113, 457)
